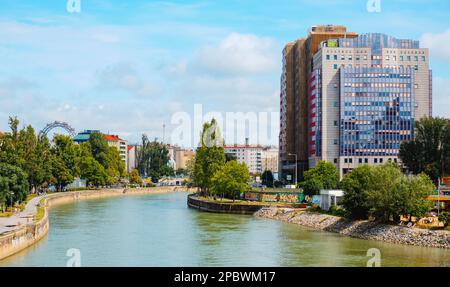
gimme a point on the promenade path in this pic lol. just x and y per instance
(20, 219)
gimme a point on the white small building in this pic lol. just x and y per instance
(329, 198)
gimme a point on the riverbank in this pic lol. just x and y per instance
(362, 229)
(22, 235)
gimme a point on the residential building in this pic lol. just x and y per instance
(121, 145)
(251, 155)
(269, 159)
(297, 66)
(365, 94)
(180, 157)
(256, 157)
(82, 137)
(132, 157)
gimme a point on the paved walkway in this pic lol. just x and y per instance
(20, 219)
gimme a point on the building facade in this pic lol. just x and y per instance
(294, 97)
(256, 157)
(269, 159)
(132, 154)
(180, 157)
(251, 155)
(365, 94)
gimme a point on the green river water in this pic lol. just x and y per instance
(160, 230)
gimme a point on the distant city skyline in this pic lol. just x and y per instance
(126, 68)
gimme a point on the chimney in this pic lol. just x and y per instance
(246, 142)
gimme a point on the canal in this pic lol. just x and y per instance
(159, 230)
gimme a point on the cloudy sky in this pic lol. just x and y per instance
(126, 67)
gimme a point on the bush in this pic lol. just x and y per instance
(445, 218)
(323, 176)
(150, 184)
(336, 211)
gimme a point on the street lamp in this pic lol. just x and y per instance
(293, 154)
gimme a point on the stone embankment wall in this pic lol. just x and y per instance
(28, 235)
(360, 229)
(217, 207)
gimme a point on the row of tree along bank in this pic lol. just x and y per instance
(30, 162)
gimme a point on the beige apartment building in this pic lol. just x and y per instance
(297, 66)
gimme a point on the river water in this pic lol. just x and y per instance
(159, 230)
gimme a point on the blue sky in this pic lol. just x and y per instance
(126, 67)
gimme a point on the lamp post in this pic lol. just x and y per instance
(295, 155)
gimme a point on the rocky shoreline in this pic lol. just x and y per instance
(359, 229)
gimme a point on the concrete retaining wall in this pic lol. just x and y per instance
(195, 202)
(28, 235)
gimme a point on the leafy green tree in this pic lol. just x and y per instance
(153, 160)
(429, 152)
(100, 149)
(25, 149)
(94, 173)
(210, 157)
(62, 175)
(397, 194)
(231, 180)
(13, 184)
(65, 149)
(135, 178)
(267, 178)
(356, 186)
(445, 218)
(323, 176)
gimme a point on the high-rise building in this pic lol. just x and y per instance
(294, 111)
(365, 94)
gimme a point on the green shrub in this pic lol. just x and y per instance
(445, 218)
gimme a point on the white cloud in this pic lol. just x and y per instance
(240, 54)
(124, 76)
(441, 97)
(439, 44)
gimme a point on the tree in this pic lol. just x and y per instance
(13, 184)
(429, 152)
(445, 218)
(398, 194)
(267, 178)
(64, 161)
(94, 173)
(356, 186)
(100, 149)
(135, 178)
(323, 176)
(210, 156)
(62, 175)
(24, 149)
(153, 159)
(230, 180)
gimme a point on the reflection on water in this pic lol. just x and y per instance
(159, 230)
